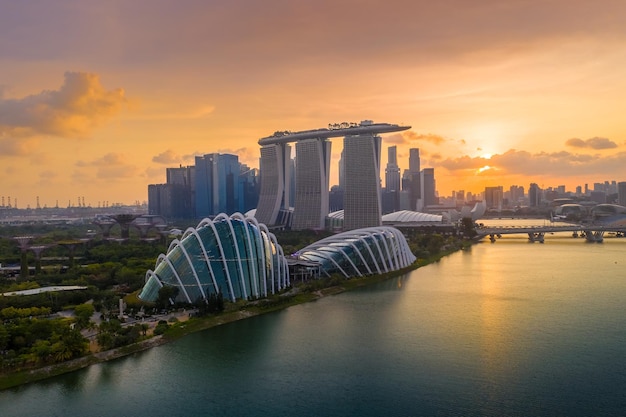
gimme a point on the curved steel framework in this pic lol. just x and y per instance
(235, 256)
(360, 252)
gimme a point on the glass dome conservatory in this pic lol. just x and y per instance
(235, 256)
(372, 250)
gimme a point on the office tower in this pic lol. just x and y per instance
(414, 160)
(534, 195)
(312, 182)
(362, 206)
(249, 188)
(217, 184)
(175, 198)
(517, 194)
(460, 197)
(621, 193)
(415, 179)
(275, 167)
(494, 197)
(392, 171)
(427, 188)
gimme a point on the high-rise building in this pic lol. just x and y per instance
(414, 177)
(362, 205)
(621, 193)
(217, 184)
(312, 182)
(392, 171)
(494, 197)
(517, 195)
(534, 195)
(275, 167)
(312, 174)
(174, 199)
(427, 189)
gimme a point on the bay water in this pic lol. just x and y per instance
(505, 329)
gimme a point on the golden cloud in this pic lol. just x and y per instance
(80, 105)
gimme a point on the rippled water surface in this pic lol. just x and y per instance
(504, 329)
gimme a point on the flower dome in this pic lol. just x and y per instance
(235, 256)
(360, 252)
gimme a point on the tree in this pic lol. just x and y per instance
(83, 313)
(467, 227)
(166, 296)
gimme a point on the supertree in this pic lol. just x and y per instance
(24, 243)
(38, 250)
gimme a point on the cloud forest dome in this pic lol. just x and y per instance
(235, 256)
(372, 250)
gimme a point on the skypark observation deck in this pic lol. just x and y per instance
(334, 130)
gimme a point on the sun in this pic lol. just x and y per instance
(483, 169)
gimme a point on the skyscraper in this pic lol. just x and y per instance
(392, 171)
(415, 179)
(427, 188)
(362, 206)
(621, 193)
(534, 195)
(493, 197)
(275, 167)
(312, 182)
(312, 174)
(217, 184)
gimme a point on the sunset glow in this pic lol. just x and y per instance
(97, 100)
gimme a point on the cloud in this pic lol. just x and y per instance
(407, 138)
(167, 157)
(557, 164)
(246, 155)
(47, 174)
(420, 137)
(21, 147)
(154, 172)
(593, 143)
(395, 139)
(110, 166)
(73, 111)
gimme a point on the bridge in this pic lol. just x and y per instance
(591, 232)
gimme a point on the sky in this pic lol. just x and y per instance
(98, 98)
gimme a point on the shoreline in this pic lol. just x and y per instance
(13, 380)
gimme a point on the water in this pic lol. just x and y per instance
(505, 329)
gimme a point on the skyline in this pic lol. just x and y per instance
(127, 90)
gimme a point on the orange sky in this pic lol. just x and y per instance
(98, 98)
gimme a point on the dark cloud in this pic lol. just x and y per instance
(592, 143)
(73, 111)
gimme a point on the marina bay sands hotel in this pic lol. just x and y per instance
(361, 175)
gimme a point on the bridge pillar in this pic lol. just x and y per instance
(592, 236)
